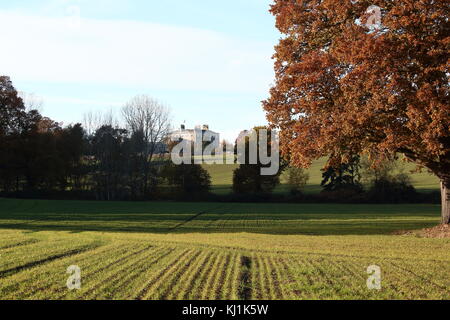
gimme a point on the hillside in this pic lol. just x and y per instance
(222, 178)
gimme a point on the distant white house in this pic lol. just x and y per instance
(195, 134)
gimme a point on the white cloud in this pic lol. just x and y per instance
(130, 53)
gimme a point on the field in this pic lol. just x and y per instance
(222, 178)
(218, 251)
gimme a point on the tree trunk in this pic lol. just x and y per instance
(445, 189)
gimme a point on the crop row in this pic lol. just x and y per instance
(146, 270)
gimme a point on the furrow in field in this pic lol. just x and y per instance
(14, 243)
(260, 290)
(350, 277)
(181, 289)
(436, 270)
(37, 251)
(426, 278)
(394, 283)
(245, 278)
(33, 264)
(192, 218)
(164, 288)
(392, 286)
(87, 262)
(125, 288)
(165, 273)
(224, 289)
(290, 281)
(329, 279)
(114, 270)
(235, 278)
(277, 278)
(214, 278)
(302, 273)
(90, 264)
(48, 277)
(413, 284)
(346, 279)
(327, 285)
(222, 223)
(268, 274)
(108, 288)
(212, 224)
(199, 283)
(353, 275)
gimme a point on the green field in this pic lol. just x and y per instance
(222, 178)
(218, 251)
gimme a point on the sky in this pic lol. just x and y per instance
(208, 60)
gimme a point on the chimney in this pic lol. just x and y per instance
(205, 127)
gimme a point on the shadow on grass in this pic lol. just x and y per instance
(175, 217)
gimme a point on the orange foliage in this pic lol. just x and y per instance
(343, 88)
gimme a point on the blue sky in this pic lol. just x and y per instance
(209, 60)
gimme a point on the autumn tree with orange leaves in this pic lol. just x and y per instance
(364, 77)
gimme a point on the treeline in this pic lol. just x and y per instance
(357, 181)
(100, 160)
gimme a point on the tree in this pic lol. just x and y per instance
(382, 170)
(344, 176)
(297, 179)
(388, 183)
(12, 108)
(149, 121)
(36, 153)
(247, 178)
(12, 113)
(40, 162)
(93, 121)
(187, 178)
(70, 148)
(343, 88)
(109, 171)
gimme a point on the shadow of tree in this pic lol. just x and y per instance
(177, 217)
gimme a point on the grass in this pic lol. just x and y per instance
(222, 178)
(218, 251)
